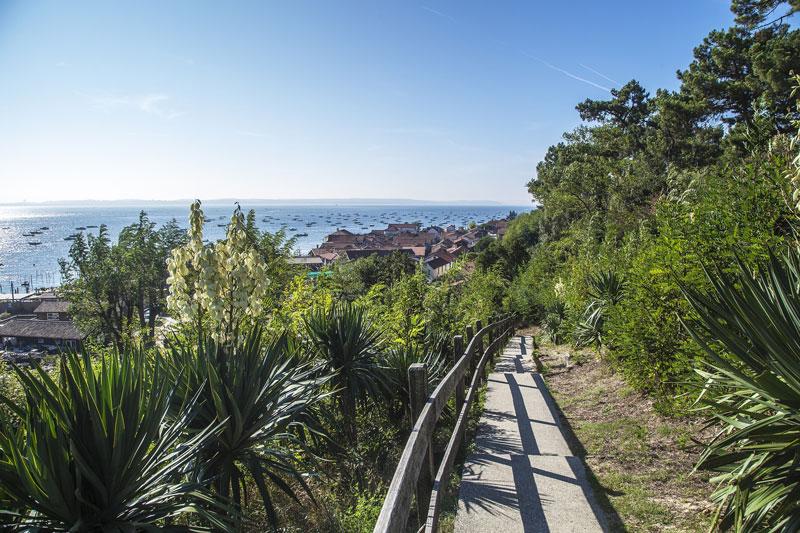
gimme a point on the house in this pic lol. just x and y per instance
(417, 251)
(52, 310)
(366, 252)
(26, 330)
(340, 235)
(395, 229)
(437, 264)
(312, 262)
(435, 231)
(496, 228)
(50, 325)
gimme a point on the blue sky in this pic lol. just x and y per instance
(432, 100)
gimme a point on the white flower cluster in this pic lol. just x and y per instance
(221, 284)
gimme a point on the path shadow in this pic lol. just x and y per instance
(531, 512)
(529, 445)
(601, 506)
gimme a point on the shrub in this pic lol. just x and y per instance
(262, 394)
(96, 450)
(748, 325)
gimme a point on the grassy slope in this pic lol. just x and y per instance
(641, 461)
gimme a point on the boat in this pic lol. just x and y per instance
(80, 228)
(34, 243)
(91, 226)
(302, 235)
(44, 228)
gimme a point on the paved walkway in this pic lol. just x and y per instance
(522, 476)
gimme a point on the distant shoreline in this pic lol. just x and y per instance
(261, 201)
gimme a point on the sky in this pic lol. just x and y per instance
(444, 101)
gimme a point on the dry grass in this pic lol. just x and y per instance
(641, 461)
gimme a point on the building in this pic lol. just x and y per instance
(437, 264)
(396, 229)
(52, 310)
(49, 326)
(30, 331)
(312, 262)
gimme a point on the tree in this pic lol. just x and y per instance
(116, 289)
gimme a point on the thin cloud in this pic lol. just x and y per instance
(156, 104)
(590, 69)
(438, 13)
(566, 72)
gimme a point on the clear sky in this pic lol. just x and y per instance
(325, 99)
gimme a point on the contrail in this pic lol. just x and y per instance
(566, 73)
(548, 65)
(590, 69)
(438, 13)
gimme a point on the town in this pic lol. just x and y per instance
(39, 323)
(436, 247)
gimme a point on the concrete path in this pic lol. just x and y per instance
(522, 476)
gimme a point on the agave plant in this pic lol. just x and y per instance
(263, 395)
(553, 321)
(95, 450)
(606, 288)
(347, 344)
(396, 362)
(749, 327)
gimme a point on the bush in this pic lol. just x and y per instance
(748, 325)
(97, 450)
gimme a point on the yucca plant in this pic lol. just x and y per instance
(95, 450)
(263, 395)
(347, 344)
(749, 326)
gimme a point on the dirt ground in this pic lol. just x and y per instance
(641, 461)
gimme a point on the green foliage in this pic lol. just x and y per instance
(605, 288)
(510, 253)
(347, 344)
(96, 450)
(397, 360)
(116, 289)
(748, 325)
(262, 393)
(362, 515)
(353, 279)
(554, 322)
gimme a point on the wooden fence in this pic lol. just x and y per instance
(416, 474)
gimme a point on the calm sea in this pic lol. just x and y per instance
(38, 263)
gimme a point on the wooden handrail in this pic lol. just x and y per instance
(397, 505)
(454, 444)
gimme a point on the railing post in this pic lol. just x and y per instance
(472, 363)
(418, 392)
(479, 348)
(458, 351)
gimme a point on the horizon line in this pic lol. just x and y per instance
(273, 201)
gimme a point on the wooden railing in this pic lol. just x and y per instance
(416, 474)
